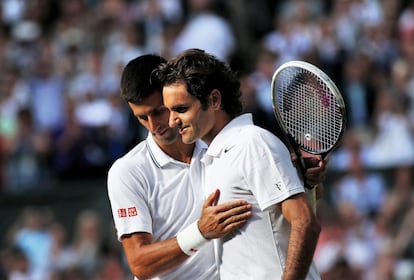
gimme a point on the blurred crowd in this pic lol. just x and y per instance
(42, 247)
(61, 116)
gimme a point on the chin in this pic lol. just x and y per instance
(168, 140)
(188, 140)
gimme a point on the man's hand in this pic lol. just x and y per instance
(218, 220)
(316, 170)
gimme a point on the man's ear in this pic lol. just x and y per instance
(215, 99)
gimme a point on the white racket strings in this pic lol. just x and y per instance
(308, 109)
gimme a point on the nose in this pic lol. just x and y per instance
(152, 124)
(173, 121)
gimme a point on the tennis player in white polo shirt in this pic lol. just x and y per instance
(159, 208)
(245, 162)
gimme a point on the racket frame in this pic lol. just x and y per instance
(289, 140)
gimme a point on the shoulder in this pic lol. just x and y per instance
(134, 160)
(253, 142)
(131, 173)
(256, 135)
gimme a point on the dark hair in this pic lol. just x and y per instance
(202, 73)
(137, 81)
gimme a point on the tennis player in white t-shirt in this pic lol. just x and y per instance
(159, 208)
(245, 162)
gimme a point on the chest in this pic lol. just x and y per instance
(228, 173)
(174, 199)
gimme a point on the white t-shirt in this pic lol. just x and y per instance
(248, 162)
(151, 192)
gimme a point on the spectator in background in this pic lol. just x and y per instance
(365, 191)
(15, 264)
(353, 144)
(376, 43)
(98, 112)
(122, 47)
(23, 47)
(393, 141)
(360, 240)
(399, 199)
(15, 95)
(358, 95)
(397, 215)
(88, 241)
(68, 158)
(30, 234)
(295, 31)
(47, 101)
(405, 27)
(217, 35)
(345, 245)
(403, 247)
(63, 255)
(265, 65)
(27, 165)
(249, 99)
(403, 88)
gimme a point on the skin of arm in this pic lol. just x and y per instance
(147, 259)
(305, 230)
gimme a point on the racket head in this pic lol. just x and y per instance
(308, 107)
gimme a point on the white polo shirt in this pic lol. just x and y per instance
(151, 192)
(248, 162)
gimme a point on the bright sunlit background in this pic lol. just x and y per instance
(62, 122)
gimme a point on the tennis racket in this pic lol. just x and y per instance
(310, 111)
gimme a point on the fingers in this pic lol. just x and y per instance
(231, 206)
(212, 199)
(231, 218)
(315, 176)
(313, 162)
(316, 171)
(234, 214)
(218, 220)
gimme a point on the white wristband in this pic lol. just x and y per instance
(191, 239)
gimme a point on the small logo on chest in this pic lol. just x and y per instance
(228, 148)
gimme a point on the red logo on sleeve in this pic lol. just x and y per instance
(132, 211)
(122, 212)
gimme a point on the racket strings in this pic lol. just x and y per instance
(309, 110)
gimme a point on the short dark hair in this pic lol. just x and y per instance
(137, 81)
(202, 73)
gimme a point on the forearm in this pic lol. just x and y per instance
(147, 259)
(303, 236)
(302, 243)
(151, 259)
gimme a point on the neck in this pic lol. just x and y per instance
(221, 120)
(179, 151)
